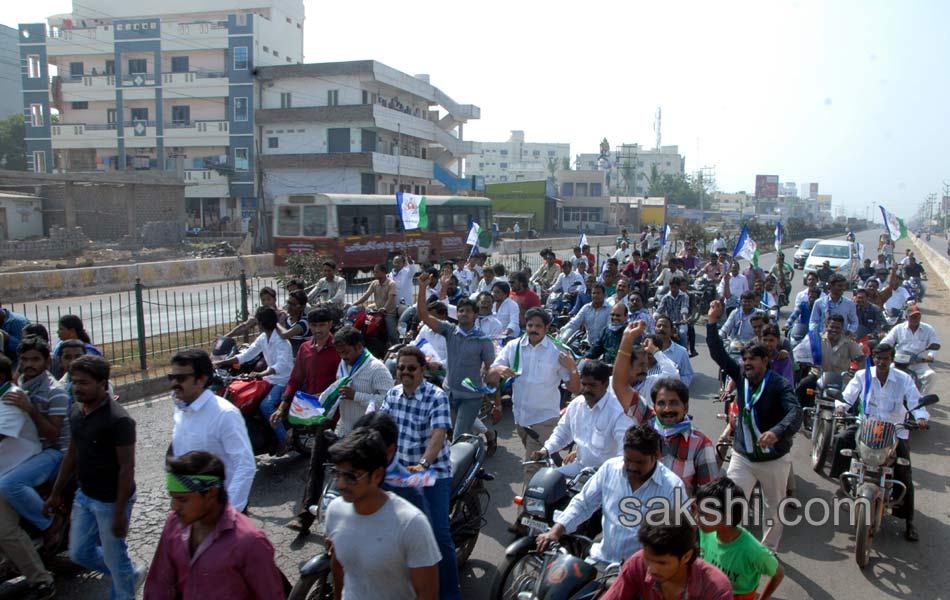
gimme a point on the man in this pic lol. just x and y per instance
(738, 326)
(834, 303)
(622, 254)
(870, 318)
(449, 290)
(402, 275)
(466, 276)
(867, 271)
(673, 269)
(484, 284)
(102, 456)
(46, 404)
(208, 548)
(315, 368)
(579, 258)
(783, 274)
(885, 394)
(505, 309)
(905, 260)
(733, 285)
(593, 317)
(769, 417)
(638, 312)
(582, 299)
(204, 421)
(606, 346)
(421, 410)
(916, 270)
(690, 262)
(362, 378)
(537, 365)
(825, 272)
(11, 332)
(669, 566)
(811, 283)
(280, 362)
(405, 558)
(591, 259)
(524, 297)
(468, 352)
(637, 474)
(594, 421)
(880, 264)
(620, 293)
(485, 321)
(717, 244)
(675, 306)
(637, 271)
(568, 281)
(686, 450)
(918, 340)
(383, 292)
(548, 271)
(331, 288)
(663, 330)
(636, 371)
(830, 352)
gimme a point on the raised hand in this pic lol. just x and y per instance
(715, 311)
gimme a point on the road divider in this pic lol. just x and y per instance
(939, 264)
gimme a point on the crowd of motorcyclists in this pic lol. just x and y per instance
(395, 398)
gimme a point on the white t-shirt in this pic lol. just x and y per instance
(20, 440)
(378, 550)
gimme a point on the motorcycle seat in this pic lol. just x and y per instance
(462, 456)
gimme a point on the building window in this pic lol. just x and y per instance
(503, 178)
(181, 115)
(39, 161)
(36, 115)
(365, 97)
(110, 67)
(551, 153)
(84, 105)
(179, 64)
(137, 66)
(240, 159)
(580, 189)
(111, 117)
(276, 54)
(536, 153)
(75, 70)
(272, 142)
(567, 189)
(240, 109)
(596, 189)
(34, 70)
(333, 97)
(504, 153)
(240, 58)
(266, 49)
(503, 165)
(285, 100)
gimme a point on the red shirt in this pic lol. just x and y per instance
(636, 270)
(526, 299)
(591, 262)
(705, 582)
(314, 369)
(235, 561)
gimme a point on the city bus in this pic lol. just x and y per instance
(360, 230)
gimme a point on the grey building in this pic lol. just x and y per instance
(11, 100)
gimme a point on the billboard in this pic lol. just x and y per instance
(813, 191)
(766, 186)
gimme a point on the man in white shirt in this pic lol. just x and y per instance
(466, 277)
(485, 321)
(717, 244)
(204, 421)
(908, 254)
(920, 341)
(622, 255)
(485, 283)
(733, 285)
(402, 274)
(332, 288)
(568, 281)
(885, 394)
(367, 378)
(594, 421)
(592, 317)
(537, 365)
(505, 309)
(280, 362)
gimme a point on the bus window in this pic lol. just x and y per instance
(460, 221)
(444, 220)
(315, 221)
(390, 219)
(288, 220)
(349, 220)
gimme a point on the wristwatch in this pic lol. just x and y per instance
(424, 463)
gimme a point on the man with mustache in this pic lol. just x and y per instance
(632, 383)
(769, 416)
(686, 450)
(663, 330)
(606, 346)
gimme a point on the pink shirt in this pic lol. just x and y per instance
(235, 562)
(705, 582)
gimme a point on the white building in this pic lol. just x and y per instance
(517, 160)
(359, 127)
(21, 216)
(160, 86)
(788, 188)
(638, 161)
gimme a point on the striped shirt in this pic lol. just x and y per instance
(692, 456)
(370, 383)
(417, 416)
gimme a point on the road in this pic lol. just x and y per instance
(818, 560)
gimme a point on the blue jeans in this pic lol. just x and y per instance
(17, 485)
(438, 497)
(465, 411)
(93, 545)
(269, 405)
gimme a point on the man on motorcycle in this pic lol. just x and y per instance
(884, 394)
(620, 294)
(505, 309)
(675, 303)
(485, 321)
(733, 285)
(593, 317)
(548, 272)
(674, 269)
(638, 312)
(797, 323)
(331, 288)
(594, 421)
(915, 270)
(834, 303)
(637, 271)
(567, 282)
(920, 341)
(663, 330)
(825, 272)
(638, 474)
(523, 296)
(382, 290)
(867, 271)
(829, 352)
(686, 450)
(783, 274)
(366, 378)
(738, 326)
(605, 348)
(871, 320)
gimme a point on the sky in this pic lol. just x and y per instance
(850, 94)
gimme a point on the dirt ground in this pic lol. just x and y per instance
(102, 254)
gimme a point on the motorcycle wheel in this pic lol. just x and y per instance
(819, 449)
(862, 537)
(303, 439)
(466, 523)
(517, 575)
(318, 586)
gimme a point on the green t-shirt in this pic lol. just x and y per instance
(744, 560)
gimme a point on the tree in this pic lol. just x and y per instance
(552, 166)
(566, 163)
(13, 143)
(629, 174)
(677, 188)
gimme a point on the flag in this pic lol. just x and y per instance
(894, 225)
(412, 211)
(665, 236)
(582, 241)
(861, 252)
(778, 236)
(473, 233)
(745, 247)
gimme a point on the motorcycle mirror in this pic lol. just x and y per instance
(928, 400)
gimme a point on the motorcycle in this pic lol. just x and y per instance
(372, 324)
(905, 360)
(704, 289)
(870, 480)
(561, 575)
(914, 288)
(822, 425)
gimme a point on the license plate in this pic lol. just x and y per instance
(535, 525)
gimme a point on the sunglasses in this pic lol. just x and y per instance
(179, 377)
(410, 368)
(348, 476)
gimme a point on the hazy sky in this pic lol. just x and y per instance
(851, 94)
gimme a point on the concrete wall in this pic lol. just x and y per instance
(61, 243)
(107, 212)
(31, 285)
(937, 263)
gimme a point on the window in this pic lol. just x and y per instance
(75, 70)
(139, 114)
(367, 183)
(504, 153)
(365, 97)
(179, 64)
(596, 189)
(503, 178)
(110, 117)
(551, 153)
(276, 54)
(110, 67)
(503, 165)
(338, 139)
(137, 66)
(536, 153)
(36, 115)
(333, 97)
(34, 69)
(240, 58)
(285, 100)
(39, 161)
(567, 189)
(288, 220)
(240, 109)
(79, 105)
(266, 49)
(240, 159)
(272, 142)
(315, 220)
(181, 115)
(580, 189)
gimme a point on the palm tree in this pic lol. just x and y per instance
(653, 181)
(629, 173)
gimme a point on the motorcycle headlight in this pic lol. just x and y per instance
(534, 507)
(873, 457)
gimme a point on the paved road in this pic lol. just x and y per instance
(818, 561)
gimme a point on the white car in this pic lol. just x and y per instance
(842, 256)
(802, 251)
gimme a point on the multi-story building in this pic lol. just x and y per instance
(168, 86)
(11, 101)
(636, 161)
(585, 200)
(359, 127)
(517, 160)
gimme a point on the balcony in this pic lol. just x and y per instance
(67, 136)
(139, 134)
(197, 133)
(88, 88)
(205, 183)
(75, 42)
(195, 84)
(408, 166)
(188, 36)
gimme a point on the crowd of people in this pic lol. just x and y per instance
(592, 353)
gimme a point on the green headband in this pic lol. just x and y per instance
(185, 484)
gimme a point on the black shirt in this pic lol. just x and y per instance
(97, 435)
(913, 270)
